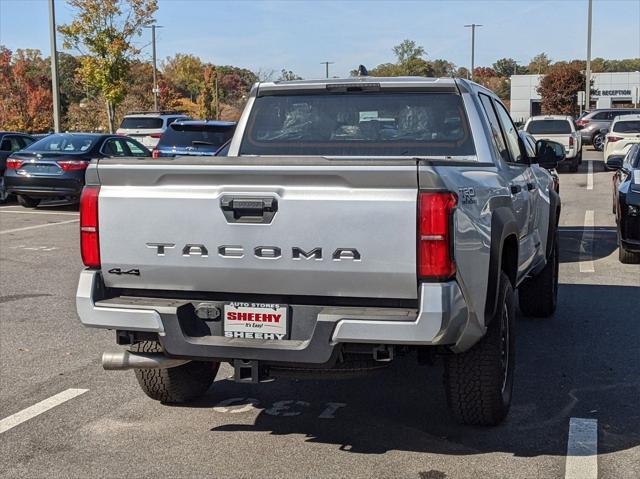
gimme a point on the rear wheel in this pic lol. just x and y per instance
(538, 296)
(598, 141)
(573, 168)
(174, 385)
(579, 157)
(479, 381)
(28, 202)
(627, 257)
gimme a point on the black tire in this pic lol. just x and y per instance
(573, 168)
(538, 296)
(579, 157)
(28, 202)
(628, 257)
(174, 385)
(479, 382)
(598, 142)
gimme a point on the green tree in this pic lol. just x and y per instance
(103, 32)
(539, 64)
(559, 90)
(185, 72)
(442, 68)
(288, 75)
(407, 51)
(505, 67)
(208, 98)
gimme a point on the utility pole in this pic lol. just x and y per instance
(588, 73)
(473, 27)
(55, 83)
(155, 89)
(326, 68)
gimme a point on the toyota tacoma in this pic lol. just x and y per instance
(353, 221)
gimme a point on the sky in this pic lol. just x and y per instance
(299, 34)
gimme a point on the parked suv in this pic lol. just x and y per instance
(624, 133)
(194, 137)
(352, 221)
(560, 129)
(147, 127)
(591, 124)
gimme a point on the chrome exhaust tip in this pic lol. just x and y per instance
(123, 360)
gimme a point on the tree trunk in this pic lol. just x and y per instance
(111, 114)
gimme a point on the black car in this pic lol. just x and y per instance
(194, 137)
(626, 203)
(55, 165)
(10, 142)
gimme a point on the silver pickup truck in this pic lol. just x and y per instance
(353, 221)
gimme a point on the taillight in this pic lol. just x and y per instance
(72, 165)
(89, 235)
(155, 135)
(613, 139)
(570, 141)
(14, 164)
(434, 236)
(155, 153)
(582, 123)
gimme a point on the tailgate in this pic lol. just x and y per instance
(305, 226)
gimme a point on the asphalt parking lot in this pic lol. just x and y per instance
(577, 385)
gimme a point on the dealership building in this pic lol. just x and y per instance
(609, 90)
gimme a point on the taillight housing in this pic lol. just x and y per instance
(613, 139)
(155, 135)
(155, 153)
(582, 123)
(571, 140)
(435, 217)
(89, 233)
(14, 163)
(72, 165)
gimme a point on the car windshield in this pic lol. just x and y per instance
(70, 144)
(359, 124)
(549, 127)
(199, 137)
(141, 123)
(627, 126)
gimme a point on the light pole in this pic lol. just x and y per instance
(326, 67)
(473, 27)
(55, 84)
(155, 75)
(588, 73)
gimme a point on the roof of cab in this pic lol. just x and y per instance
(626, 117)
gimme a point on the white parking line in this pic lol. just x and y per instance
(41, 213)
(582, 449)
(586, 244)
(15, 230)
(37, 409)
(590, 176)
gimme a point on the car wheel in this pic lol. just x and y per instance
(479, 382)
(573, 168)
(598, 142)
(174, 385)
(28, 202)
(579, 157)
(538, 295)
(625, 256)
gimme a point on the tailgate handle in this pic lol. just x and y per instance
(249, 210)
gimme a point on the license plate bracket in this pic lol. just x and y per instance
(256, 321)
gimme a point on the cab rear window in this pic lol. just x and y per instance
(359, 124)
(141, 123)
(549, 127)
(632, 126)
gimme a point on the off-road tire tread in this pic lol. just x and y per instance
(537, 296)
(473, 379)
(174, 385)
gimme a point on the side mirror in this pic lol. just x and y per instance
(549, 153)
(614, 162)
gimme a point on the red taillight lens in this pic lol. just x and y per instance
(13, 164)
(434, 246)
(89, 235)
(613, 139)
(570, 141)
(72, 165)
(155, 135)
(155, 154)
(582, 122)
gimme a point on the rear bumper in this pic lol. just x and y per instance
(442, 319)
(44, 187)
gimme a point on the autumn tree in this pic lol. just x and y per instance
(539, 64)
(25, 90)
(208, 98)
(103, 32)
(185, 72)
(559, 90)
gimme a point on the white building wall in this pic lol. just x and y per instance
(609, 88)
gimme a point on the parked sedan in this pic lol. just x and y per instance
(194, 137)
(10, 142)
(54, 166)
(626, 203)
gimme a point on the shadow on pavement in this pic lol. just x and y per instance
(578, 243)
(584, 362)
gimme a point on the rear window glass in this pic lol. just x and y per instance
(359, 124)
(71, 144)
(141, 123)
(630, 126)
(549, 127)
(204, 137)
